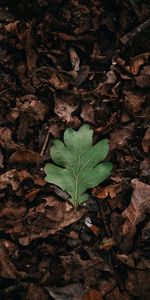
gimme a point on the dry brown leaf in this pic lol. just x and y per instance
(138, 208)
(145, 167)
(92, 295)
(7, 268)
(126, 259)
(133, 101)
(119, 137)
(72, 291)
(82, 76)
(137, 62)
(47, 218)
(9, 178)
(103, 192)
(74, 58)
(64, 109)
(34, 107)
(87, 113)
(12, 27)
(58, 81)
(6, 140)
(146, 141)
(142, 81)
(25, 156)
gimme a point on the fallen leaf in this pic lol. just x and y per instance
(58, 81)
(82, 76)
(9, 178)
(119, 137)
(92, 295)
(133, 101)
(145, 167)
(88, 270)
(74, 58)
(49, 217)
(33, 106)
(111, 190)
(25, 156)
(6, 140)
(73, 291)
(142, 81)
(12, 27)
(36, 293)
(138, 283)
(126, 259)
(7, 268)
(138, 61)
(64, 109)
(146, 141)
(87, 113)
(138, 208)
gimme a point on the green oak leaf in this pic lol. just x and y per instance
(78, 164)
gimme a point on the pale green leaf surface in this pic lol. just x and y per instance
(78, 164)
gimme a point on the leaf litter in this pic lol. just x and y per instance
(65, 64)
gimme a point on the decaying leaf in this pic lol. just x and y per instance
(138, 208)
(79, 161)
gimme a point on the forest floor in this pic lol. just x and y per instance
(65, 63)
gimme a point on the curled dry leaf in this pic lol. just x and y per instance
(138, 208)
(64, 109)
